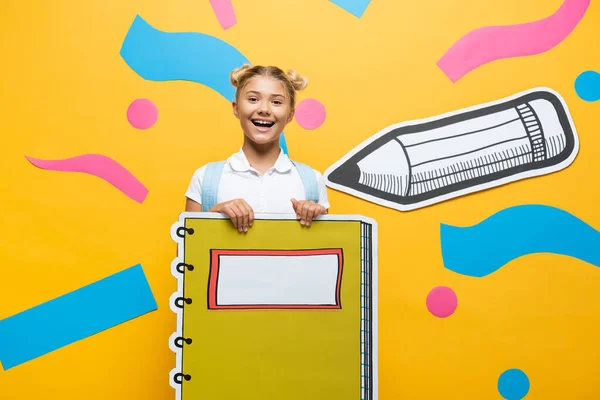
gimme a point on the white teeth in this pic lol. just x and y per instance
(260, 122)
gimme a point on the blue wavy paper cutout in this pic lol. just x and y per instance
(190, 56)
(355, 7)
(482, 249)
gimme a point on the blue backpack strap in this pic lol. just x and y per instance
(210, 184)
(311, 186)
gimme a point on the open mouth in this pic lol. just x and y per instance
(263, 123)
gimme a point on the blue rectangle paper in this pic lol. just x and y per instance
(75, 316)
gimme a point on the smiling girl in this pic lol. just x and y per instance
(260, 178)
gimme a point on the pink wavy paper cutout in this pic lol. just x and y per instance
(486, 44)
(100, 166)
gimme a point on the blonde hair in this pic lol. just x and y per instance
(292, 80)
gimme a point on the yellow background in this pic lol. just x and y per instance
(64, 91)
(272, 354)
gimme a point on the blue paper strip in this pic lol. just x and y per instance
(75, 316)
(191, 56)
(484, 248)
(355, 7)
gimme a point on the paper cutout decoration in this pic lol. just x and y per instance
(190, 56)
(482, 249)
(100, 166)
(310, 113)
(354, 7)
(142, 113)
(418, 163)
(587, 86)
(225, 13)
(75, 316)
(513, 384)
(442, 301)
(491, 43)
(282, 312)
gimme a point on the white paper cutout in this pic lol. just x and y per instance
(414, 164)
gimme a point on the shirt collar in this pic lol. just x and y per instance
(239, 163)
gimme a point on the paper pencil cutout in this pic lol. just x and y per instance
(283, 312)
(418, 163)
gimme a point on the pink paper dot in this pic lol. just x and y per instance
(142, 113)
(310, 113)
(442, 301)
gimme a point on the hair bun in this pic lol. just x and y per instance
(237, 74)
(298, 81)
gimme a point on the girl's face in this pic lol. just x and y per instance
(263, 108)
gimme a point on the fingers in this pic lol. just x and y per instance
(247, 217)
(251, 218)
(243, 218)
(313, 212)
(301, 211)
(307, 211)
(240, 213)
(235, 214)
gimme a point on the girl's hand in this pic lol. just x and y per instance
(238, 211)
(306, 211)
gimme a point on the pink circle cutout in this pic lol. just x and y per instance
(142, 113)
(442, 301)
(310, 113)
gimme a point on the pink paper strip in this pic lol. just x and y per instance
(224, 11)
(486, 44)
(100, 166)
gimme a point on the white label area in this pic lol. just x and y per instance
(278, 280)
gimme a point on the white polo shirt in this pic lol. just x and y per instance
(268, 193)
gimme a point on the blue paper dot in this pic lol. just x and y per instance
(587, 85)
(513, 384)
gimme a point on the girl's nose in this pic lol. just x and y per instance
(264, 108)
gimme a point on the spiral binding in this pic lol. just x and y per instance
(179, 377)
(190, 231)
(180, 302)
(182, 266)
(180, 340)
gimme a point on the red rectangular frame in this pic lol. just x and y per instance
(214, 274)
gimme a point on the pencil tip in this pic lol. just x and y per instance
(347, 174)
